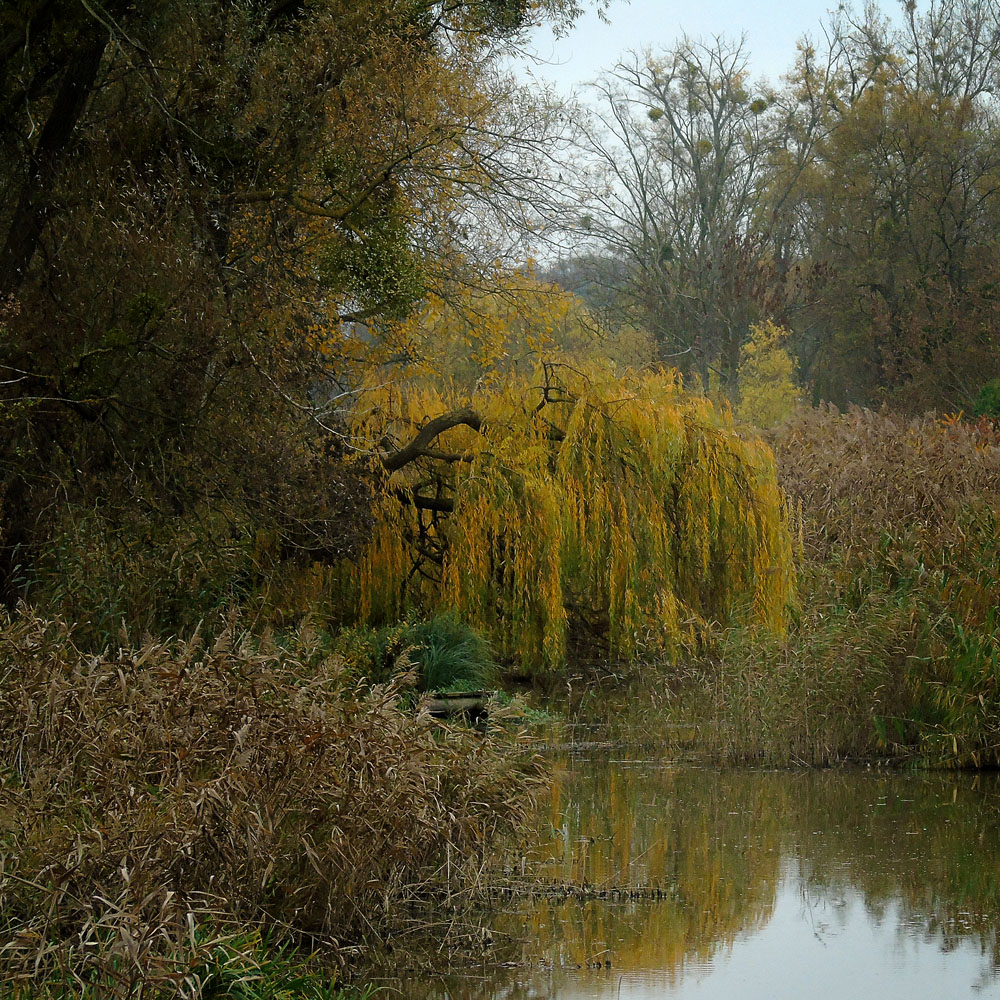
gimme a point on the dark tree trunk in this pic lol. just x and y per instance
(34, 202)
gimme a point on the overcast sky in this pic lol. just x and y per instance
(772, 30)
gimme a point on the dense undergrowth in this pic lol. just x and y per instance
(893, 648)
(178, 820)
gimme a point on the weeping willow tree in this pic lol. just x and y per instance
(573, 499)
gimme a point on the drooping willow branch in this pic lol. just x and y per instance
(444, 505)
(639, 503)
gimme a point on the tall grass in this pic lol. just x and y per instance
(238, 966)
(833, 690)
(893, 650)
(158, 802)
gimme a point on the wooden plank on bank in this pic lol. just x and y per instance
(469, 702)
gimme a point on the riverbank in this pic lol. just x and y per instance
(893, 648)
(233, 820)
(246, 812)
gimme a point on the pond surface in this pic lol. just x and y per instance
(654, 880)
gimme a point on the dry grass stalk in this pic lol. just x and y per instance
(860, 476)
(154, 800)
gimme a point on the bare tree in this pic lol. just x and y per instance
(673, 173)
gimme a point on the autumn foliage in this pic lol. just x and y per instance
(619, 503)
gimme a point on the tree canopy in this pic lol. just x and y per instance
(214, 217)
(608, 503)
(854, 204)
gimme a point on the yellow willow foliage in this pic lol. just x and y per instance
(623, 500)
(474, 337)
(768, 393)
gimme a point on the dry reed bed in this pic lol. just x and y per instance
(894, 643)
(860, 476)
(156, 800)
(896, 648)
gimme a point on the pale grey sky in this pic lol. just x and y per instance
(772, 30)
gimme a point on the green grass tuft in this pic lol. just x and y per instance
(448, 654)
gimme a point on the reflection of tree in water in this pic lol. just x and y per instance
(693, 870)
(712, 844)
(703, 854)
(926, 844)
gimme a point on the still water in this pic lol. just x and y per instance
(653, 880)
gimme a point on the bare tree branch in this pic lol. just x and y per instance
(418, 446)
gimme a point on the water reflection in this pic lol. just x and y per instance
(663, 881)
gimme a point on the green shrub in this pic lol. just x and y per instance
(245, 965)
(448, 654)
(987, 402)
(108, 570)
